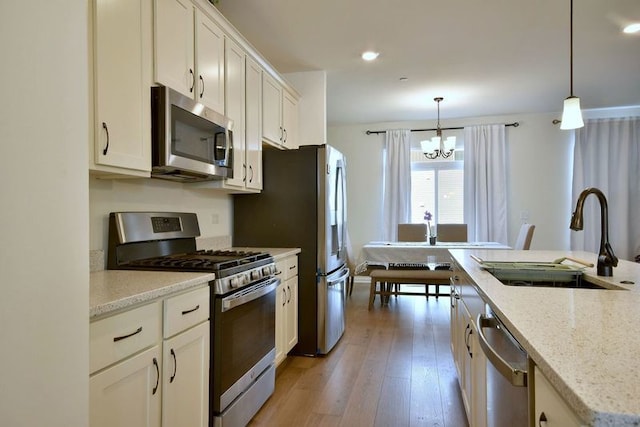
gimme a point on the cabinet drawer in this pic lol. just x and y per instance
(116, 337)
(186, 310)
(291, 267)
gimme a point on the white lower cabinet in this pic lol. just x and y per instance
(128, 393)
(286, 307)
(469, 359)
(550, 409)
(185, 378)
(141, 376)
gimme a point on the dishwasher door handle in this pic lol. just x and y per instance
(515, 376)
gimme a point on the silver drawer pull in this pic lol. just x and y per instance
(192, 310)
(122, 337)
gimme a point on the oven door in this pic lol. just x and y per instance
(243, 337)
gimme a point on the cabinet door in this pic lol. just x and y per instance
(281, 307)
(478, 380)
(292, 313)
(235, 82)
(549, 405)
(174, 45)
(121, 85)
(185, 379)
(127, 394)
(253, 124)
(210, 63)
(289, 120)
(271, 110)
(465, 357)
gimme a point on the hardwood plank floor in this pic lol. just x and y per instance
(392, 367)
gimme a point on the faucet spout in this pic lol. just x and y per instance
(606, 258)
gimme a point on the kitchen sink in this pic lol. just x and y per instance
(540, 274)
(575, 283)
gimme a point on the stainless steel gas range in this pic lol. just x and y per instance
(242, 371)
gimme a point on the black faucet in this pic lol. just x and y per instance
(606, 258)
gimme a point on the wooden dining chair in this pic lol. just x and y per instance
(451, 232)
(523, 242)
(412, 232)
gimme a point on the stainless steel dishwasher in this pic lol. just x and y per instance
(507, 374)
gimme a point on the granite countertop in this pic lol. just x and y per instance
(115, 290)
(583, 340)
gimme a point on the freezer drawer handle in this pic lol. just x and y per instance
(515, 376)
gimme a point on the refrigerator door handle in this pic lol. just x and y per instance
(340, 206)
(343, 276)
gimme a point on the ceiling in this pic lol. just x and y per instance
(485, 57)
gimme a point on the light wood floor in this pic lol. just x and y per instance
(392, 367)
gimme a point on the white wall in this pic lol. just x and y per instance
(213, 207)
(44, 262)
(539, 175)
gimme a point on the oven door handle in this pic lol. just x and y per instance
(263, 289)
(515, 376)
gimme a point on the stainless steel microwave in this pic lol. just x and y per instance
(190, 142)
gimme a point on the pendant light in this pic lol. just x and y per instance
(436, 147)
(571, 114)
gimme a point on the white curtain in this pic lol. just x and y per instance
(607, 157)
(485, 183)
(396, 197)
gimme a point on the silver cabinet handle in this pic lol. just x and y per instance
(515, 376)
(193, 80)
(202, 82)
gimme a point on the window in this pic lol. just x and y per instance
(437, 187)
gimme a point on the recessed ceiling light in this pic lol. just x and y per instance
(370, 56)
(632, 28)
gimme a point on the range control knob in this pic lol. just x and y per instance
(266, 270)
(233, 282)
(255, 274)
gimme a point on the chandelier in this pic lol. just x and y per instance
(436, 146)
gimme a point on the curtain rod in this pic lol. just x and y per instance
(369, 132)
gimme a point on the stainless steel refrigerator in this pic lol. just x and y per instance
(303, 204)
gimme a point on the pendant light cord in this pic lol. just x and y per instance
(571, 48)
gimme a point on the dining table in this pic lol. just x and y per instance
(415, 254)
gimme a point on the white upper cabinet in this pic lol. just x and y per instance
(271, 110)
(290, 120)
(235, 81)
(279, 114)
(121, 142)
(189, 52)
(210, 48)
(253, 124)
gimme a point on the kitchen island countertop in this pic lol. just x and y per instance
(583, 340)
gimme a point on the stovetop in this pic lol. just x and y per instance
(221, 262)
